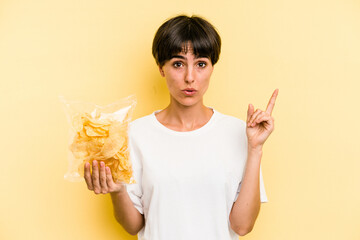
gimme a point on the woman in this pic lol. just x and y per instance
(197, 171)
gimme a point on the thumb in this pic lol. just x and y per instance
(249, 112)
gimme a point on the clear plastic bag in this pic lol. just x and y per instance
(99, 133)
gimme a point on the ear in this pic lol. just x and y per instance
(161, 71)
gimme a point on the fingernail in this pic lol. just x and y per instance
(94, 162)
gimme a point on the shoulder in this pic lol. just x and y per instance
(141, 123)
(231, 131)
(231, 122)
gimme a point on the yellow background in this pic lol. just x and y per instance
(100, 51)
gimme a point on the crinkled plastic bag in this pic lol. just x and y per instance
(99, 133)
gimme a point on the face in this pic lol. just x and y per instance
(187, 77)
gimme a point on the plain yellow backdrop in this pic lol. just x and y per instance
(100, 51)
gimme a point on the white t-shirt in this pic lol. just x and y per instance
(187, 182)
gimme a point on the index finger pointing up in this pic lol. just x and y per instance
(271, 103)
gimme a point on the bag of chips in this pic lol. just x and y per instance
(99, 133)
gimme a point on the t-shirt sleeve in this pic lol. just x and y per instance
(135, 190)
(263, 197)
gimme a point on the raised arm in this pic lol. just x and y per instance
(245, 210)
(101, 182)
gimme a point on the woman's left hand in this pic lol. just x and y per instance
(260, 124)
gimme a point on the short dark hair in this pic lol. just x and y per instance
(173, 36)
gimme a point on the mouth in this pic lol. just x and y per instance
(189, 91)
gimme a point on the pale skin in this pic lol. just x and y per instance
(187, 113)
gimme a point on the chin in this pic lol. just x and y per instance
(188, 102)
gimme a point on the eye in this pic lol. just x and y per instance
(202, 64)
(177, 64)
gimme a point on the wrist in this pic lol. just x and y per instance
(255, 150)
(120, 192)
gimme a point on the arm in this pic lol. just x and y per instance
(247, 206)
(101, 181)
(126, 214)
(259, 125)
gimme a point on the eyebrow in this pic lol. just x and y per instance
(182, 57)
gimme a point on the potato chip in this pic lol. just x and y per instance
(100, 134)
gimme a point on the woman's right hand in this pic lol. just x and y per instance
(101, 181)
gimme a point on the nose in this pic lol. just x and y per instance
(190, 75)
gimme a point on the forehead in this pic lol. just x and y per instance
(187, 47)
(187, 50)
(187, 56)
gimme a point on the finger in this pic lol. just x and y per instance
(264, 118)
(102, 177)
(257, 112)
(87, 176)
(271, 103)
(259, 117)
(268, 121)
(250, 112)
(95, 177)
(109, 179)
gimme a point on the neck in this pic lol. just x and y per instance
(185, 118)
